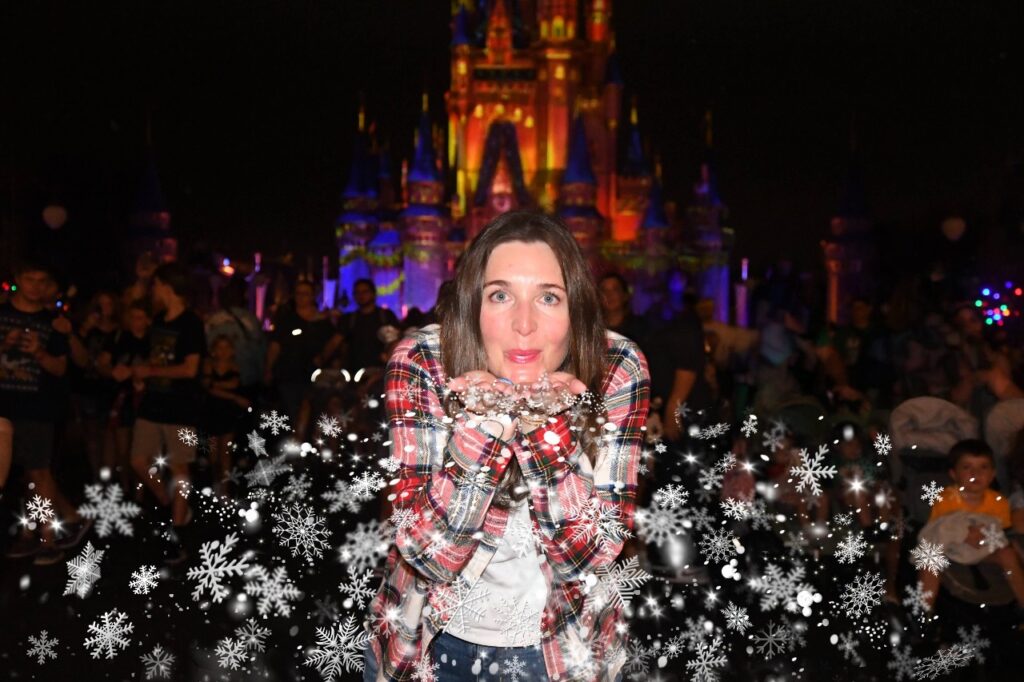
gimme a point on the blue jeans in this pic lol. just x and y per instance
(462, 661)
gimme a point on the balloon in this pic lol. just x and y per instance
(953, 228)
(55, 216)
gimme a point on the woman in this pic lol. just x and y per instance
(498, 559)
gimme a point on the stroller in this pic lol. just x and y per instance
(923, 430)
(1002, 424)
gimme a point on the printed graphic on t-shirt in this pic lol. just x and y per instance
(162, 346)
(19, 371)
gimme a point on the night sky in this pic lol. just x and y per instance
(253, 106)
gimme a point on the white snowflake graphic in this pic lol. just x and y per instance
(710, 659)
(257, 443)
(928, 556)
(275, 422)
(188, 437)
(459, 604)
(513, 668)
(110, 633)
(231, 653)
(736, 618)
(40, 509)
(366, 485)
(772, 640)
(749, 428)
(297, 488)
(358, 590)
(993, 537)
(596, 521)
(932, 493)
(781, 589)
(84, 571)
(945, 661)
(267, 470)
(216, 567)
(811, 470)
(883, 444)
(301, 531)
(615, 584)
(670, 496)
(735, 509)
(848, 645)
(340, 498)
(252, 635)
(143, 579)
(328, 425)
(520, 624)
(863, 594)
(42, 647)
(717, 546)
(364, 547)
(658, 524)
(917, 599)
(852, 548)
(637, 659)
(338, 649)
(902, 663)
(275, 590)
(974, 641)
(108, 507)
(158, 663)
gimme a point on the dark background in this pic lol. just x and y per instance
(253, 106)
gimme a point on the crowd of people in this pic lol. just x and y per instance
(119, 379)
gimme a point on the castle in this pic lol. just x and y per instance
(534, 120)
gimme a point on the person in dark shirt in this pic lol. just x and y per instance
(678, 362)
(168, 412)
(361, 328)
(303, 340)
(615, 306)
(33, 358)
(131, 347)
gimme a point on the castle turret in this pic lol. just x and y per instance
(634, 184)
(711, 239)
(578, 196)
(357, 224)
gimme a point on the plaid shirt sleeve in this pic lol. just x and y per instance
(584, 511)
(448, 470)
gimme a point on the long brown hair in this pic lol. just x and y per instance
(462, 348)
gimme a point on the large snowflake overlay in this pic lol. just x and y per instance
(772, 640)
(520, 624)
(110, 634)
(781, 589)
(736, 618)
(275, 422)
(932, 493)
(637, 659)
(616, 584)
(659, 524)
(946, 660)
(366, 485)
(928, 556)
(595, 521)
(40, 509)
(157, 663)
(717, 546)
(143, 579)
(42, 647)
(108, 507)
(302, 531)
(736, 509)
(974, 641)
(710, 658)
(275, 590)
(340, 498)
(671, 496)
(993, 537)
(863, 594)
(84, 571)
(358, 590)
(216, 567)
(902, 663)
(338, 649)
(459, 604)
(811, 470)
(257, 443)
(267, 470)
(852, 548)
(364, 546)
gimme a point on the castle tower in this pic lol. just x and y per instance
(357, 224)
(634, 185)
(424, 225)
(578, 196)
(712, 240)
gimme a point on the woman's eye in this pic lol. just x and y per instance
(499, 296)
(550, 299)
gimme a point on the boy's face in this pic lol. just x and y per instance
(973, 473)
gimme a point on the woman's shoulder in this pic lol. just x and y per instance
(624, 353)
(423, 345)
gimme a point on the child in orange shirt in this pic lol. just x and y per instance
(973, 470)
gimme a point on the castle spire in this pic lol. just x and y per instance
(578, 167)
(636, 160)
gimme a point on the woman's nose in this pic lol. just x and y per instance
(523, 321)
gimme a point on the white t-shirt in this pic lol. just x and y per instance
(515, 589)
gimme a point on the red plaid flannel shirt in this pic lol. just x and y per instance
(448, 474)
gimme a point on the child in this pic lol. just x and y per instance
(131, 347)
(225, 405)
(973, 470)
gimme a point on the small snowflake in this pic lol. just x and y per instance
(736, 618)
(863, 594)
(107, 506)
(425, 668)
(710, 658)
(42, 647)
(513, 668)
(993, 537)
(40, 509)
(945, 661)
(274, 589)
(717, 546)
(928, 556)
(328, 425)
(594, 520)
(231, 653)
(902, 663)
(257, 443)
(737, 510)
(932, 493)
(188, 437)
(267, 471)
(852, 548)
(458, 603)
(341, 498)
(358, 589)
(772, 640)
(974, 641)
(110, 633)
(84, 571)
(216, 567)
(812, 470)
(297, 488)
(883, 444)
(749, 427)
(670, 496)
(252, 635)
(275, 422)
(616, 584)
(338, 649)
(158, 663)
(301, 531)
(917, 599)
(848, 645)
(143, 579)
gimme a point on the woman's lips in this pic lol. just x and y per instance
(522, 357)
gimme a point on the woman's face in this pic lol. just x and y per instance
(524, 315)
